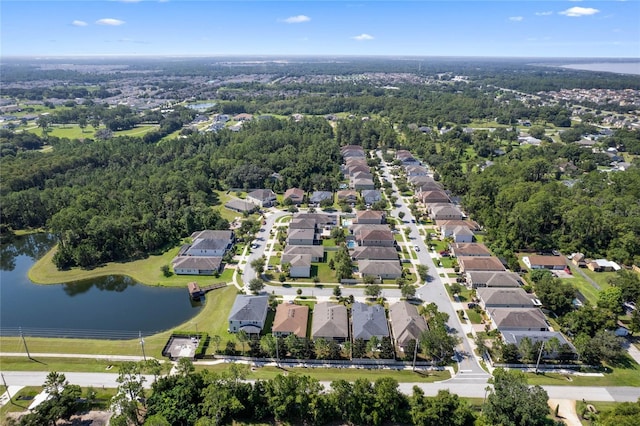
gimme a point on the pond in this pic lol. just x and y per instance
(110, 307)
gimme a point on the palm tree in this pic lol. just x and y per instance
(216, 341)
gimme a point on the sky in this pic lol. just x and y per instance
(504, 28)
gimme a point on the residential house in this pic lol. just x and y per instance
(459, 233)
(330, 322)
(371, 196)
(603, 265)
(375, 237)
(262, 197)
(471, 224)
(368, 321)
(291, 319)
(316, 252)
(469, 249)
(505, 298)
(301, 237)
(248, 313)
(322, 220)
(436, 196)
(209, 243)
(356, 168)
(318, 196)
(516, 338)
(370, 217)
(579, 260)
(480, 279)
(241, 206)
(296, 195)
(374, 253)
(361, 184)
(412, 170)
(406, 157)
(197, 265)
(545, 262)
(444, 211)
(506, 319)
(299, 265)
(381, 269)
(476, 263)
(302, 223)
(243, 117)
(349, 196)
(406, 323)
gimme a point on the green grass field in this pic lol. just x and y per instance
(625, 373)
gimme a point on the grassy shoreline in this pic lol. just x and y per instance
(145, 271)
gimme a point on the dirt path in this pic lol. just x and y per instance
(567, 412)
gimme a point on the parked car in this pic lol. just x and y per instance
(417, 248)
(471, 305)
(444, 253)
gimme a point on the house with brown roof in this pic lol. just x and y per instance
(476, 263)
(296, 195)
(545, 262)
(353, 169)
(471, 224)
(579, 260)
(291, 319)
(406, 323)
(469, 249)
(370, 217)
(243, 117)
(375, 237)
(330, 322)
(492, 279)
(444, 211)
(507, 319)
(504, 298)
(433, 197)
(361, 184)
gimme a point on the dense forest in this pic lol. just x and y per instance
(124, 197)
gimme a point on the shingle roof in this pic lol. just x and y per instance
(480, 263)
(379, 267)
(374, 252)
(201, 263)
(469, 249)
(406, 323)
(518, 318)
(249, 308)
(504, 296)
(368, 321)
(330, 321)
(291, 319)
(494, 279)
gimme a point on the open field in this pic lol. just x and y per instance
(624, 373)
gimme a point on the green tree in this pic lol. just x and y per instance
(611, 299)
(258, 264)
(408, 291)
(372, 290)
(444, 409)
(513, 403)
(256, 285)
(243, 338)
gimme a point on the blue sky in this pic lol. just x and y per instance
(420, 27)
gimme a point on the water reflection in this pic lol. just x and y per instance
(111, 305)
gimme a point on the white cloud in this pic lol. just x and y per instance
(109, 21)
(544, 13)
(363, 37)
(78, 23)
(299, 19)
(579, 11)
(515, 18)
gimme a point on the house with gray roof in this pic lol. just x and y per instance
(241, 206)
(299, 265)
(371, 196)
(248, 313)
(382, 269)
(444, 211)
(370, 217)
(469, 249)
(330, 322)
(374, 253)
(375, 237)
(368, 321)
(209, 243)
(301, 237)
(516, 338)
(459, 233)
(262, 197)
(480, 279)
(315, 252)
(497, 297)
(406, 323)
(478, 263)
(362, 184)
(318, 196)
(507, 319)
(197, 265)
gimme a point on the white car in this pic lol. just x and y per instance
(417, 248)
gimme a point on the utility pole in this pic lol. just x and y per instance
(5, 385)
(142, 345)
(277, 351)
(539, 356)
(415, 355)
(25, 343)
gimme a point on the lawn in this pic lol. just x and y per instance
(146, 271)
(474, 316)
(331, 374)
(211, 319)
(71, 131)
(625, 373)
(601, 278)
(464, 295)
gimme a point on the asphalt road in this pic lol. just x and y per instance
(475, 390)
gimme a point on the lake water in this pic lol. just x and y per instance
(111, 307)
(615, 67)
